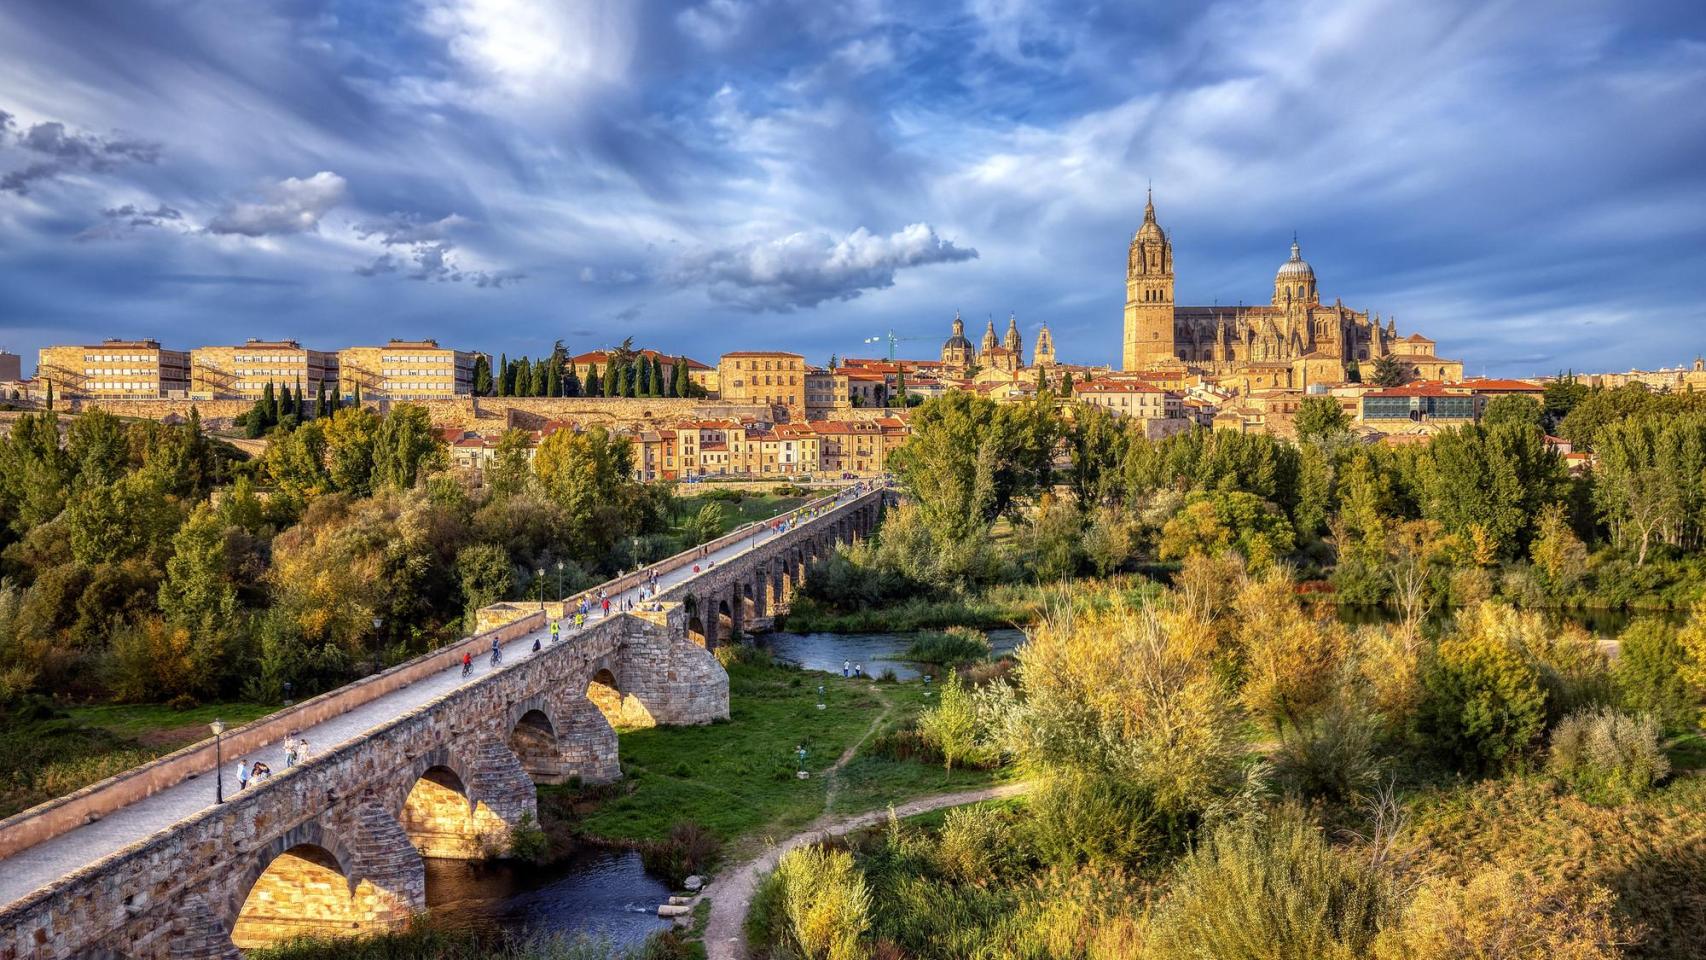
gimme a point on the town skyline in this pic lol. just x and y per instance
(502, 175)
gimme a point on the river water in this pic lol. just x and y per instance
(876, 651)
(601, 893)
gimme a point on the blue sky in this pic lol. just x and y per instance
(1523, 181)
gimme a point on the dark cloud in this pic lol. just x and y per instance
(408, 228)
(289, 206)
(806, 269)
(69, 152)
(430, 249)
(128, 218)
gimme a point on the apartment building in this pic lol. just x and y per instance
(826, 393)
(115, 368)
(245, 371)
(11, 367)
(584, 363)
(764, 376)
(405, 370)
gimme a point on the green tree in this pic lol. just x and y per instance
(541, 380)
(594, 388)
(1513, 409)
(589, 475)
(295, 463)
(1561, 396)
(349, 452)
(482, 375)
(643, 377)
(1389, 371)
(510, 469)
(1214, 523)
(1558, 554)
(656, 386)
(1483, 703)
(485, 575)
(952, 724)
(35, 473)
(1491, 479)
(1648, 673)
(1321, 419)
(269, 406)
(506, 375)
(405, 447)
(98, 448)
(1097, 441)
(571, 381)
(969, 460)
(553, 381)
(198, 592)
(117, 521)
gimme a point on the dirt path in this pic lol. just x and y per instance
(834, 788)
(731, 893)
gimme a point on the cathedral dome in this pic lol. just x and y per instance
(1296, 267)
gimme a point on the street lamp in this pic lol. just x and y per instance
(218, 727)
(377, 641)
(559, 579)
(539, 575)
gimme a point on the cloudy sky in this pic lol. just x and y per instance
(1523, 181)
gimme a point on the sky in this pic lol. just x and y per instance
(1525, 182)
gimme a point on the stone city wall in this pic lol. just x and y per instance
(482, 414)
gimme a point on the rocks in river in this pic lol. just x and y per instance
(674, 910)
(682, 901)
(694, 882)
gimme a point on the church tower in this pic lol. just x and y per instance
(1012, 341)
(1148, 296)
(989, 341)
(1043, 352)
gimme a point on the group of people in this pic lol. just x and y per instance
(295, 752)
(849, 669)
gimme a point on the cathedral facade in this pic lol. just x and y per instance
(1005, 353)
(1295, 330)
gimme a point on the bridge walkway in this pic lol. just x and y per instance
(34, 867)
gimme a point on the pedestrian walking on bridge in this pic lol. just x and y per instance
(242, 775)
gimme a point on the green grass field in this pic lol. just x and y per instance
(737, 778)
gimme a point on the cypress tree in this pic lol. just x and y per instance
(1066, 384)
(683, 384)
(657, 377)
(50, 394)
(593, 387)
(539, 382)
(643, 376)
(634, 378)
(505, 374)
(482, 375)
(302, 411)
(571, 382)
(523, 378)
(269, 406)
(553, 384)
(356, 390)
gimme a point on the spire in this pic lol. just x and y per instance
(1296, 251)
(1149, 205)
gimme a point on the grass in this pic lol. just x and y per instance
(47, 753)
(748, 508)
(737, 778)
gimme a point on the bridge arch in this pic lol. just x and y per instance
(443, 818)
(535, 740)
(725, 624)
(605, 692)
(304, 882)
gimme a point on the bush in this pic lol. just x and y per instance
(1606, 756)
(1505, 913)
(951, 647)
(689, 849)
(745, 654)
(1095, 820)
(1332, 758)
(527, 841)
(975, 846)
(1271, 890)
(1482, 702)
(825, 903)
(1648, 675)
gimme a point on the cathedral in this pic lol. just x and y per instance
(1313, 342)
(1005, 353)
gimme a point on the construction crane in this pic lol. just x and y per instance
(891, 339)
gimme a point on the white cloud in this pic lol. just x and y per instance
(804, 269)
(290, 206)
(714, 22)
(536, 49)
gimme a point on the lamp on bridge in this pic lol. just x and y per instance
(377, 641)
(218, 728)
(559, 579)
(539, 575)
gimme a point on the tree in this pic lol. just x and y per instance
(541, 381)
(510, 470)
(1649, 674)
(405, 446)
(485, 575)
(1557, 552)
(642, 377)
(482, 375)
(952, 725)
(1321, 419)
(1514, 409)
(593, 387)
(1214, 523)
(1066, 384)
(269, 405)
(1289, 658)
(657, 382)
(1389, 371)
(198, 592)
(506, 375)
(49, 398)
(1109, 540)
(349, 449)
(553, 382)
(523, 378)
(1561, 396)
(97, 448)
(683, 382)
(295, 462)
(1353, 371)
(969, 460)
(1492, 479)
(571, 382)
(834, 362)
(118, 521)
(589, 475)
(1482, 702)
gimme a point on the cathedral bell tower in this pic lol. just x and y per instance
(1148, 296)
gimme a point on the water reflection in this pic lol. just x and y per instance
(602, 893)
(877, 651)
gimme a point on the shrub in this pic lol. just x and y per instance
(825, 902)
(1648, 675)
(1505, 913)
(1095, 820)
(1607, 756)
(953, 646)
(1332, 758)
(745, 654)
(689, 849)
(1482, 701)
(527, 840)
(1272, 890)
(976, 845)
(952, 725)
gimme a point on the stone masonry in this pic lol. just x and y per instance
(335, 845)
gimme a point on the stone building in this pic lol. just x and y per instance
(1304, 340)
(406, 369)
(225, 372)
(1042, 355)
(772, 377)
(114, 368)
(1003, 354)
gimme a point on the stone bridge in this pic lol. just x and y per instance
(335, 845)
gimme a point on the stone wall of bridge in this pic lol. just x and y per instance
(335, 845)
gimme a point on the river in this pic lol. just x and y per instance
(875, 651)
(602, 893)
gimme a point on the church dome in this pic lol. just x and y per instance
(957, 341)
(1295, 267)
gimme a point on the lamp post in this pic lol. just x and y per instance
(218, 727)
(377, 642)
(559, 578)
(539, 575)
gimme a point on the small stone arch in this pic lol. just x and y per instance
(533, 737)
(696, 630)
(443, 818)
(725, 624)
(304, 882)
